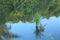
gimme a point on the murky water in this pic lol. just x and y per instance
(27, 30)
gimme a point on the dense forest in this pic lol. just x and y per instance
(25, 10)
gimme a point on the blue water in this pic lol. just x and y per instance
(26, 30)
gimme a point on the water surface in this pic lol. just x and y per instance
(27, 30)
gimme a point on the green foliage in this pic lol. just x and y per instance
(37, 18)
(25, 10)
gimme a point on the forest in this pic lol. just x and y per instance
(15, 10)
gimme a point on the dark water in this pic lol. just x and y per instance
(27, 30)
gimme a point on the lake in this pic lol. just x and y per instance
(27, 30)
(29, 19)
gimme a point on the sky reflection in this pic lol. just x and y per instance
(27, 30)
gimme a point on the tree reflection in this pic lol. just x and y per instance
(5, 34)
(26, 10)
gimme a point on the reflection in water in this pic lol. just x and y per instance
(37, 18)
(49, 37)
(26, 11)
(5, 34)
(26, 30)
(39, 30)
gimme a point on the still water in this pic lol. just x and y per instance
(29, 19)
(27, 30)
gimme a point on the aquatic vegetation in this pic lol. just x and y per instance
(37, 18)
